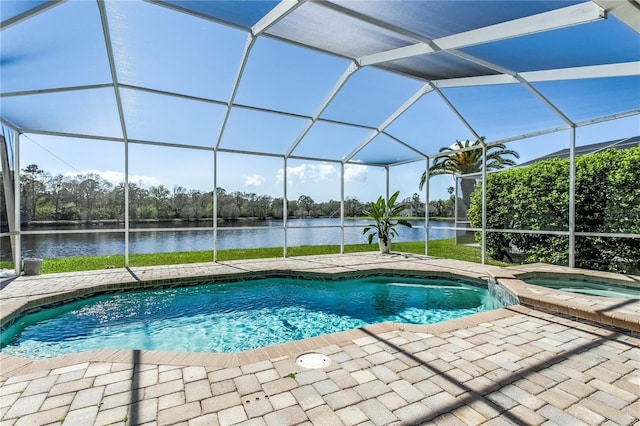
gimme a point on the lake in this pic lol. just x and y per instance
(263, 233)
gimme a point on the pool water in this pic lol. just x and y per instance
(589, 288)
(238, 316)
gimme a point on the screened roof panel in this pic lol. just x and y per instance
(244, 13)
(379, 149)
(272, 133)
(176, 63)
(440, 18)
(370, 96)
(61, 47)
(604, 42)
(12, 9)
(437, 66)
(429, 125)
(84, 112)
(148, 55)
(153, 117)
(317, 26)
(37, 149)
(587, 99)
(502, 111)
(284, 77)
(331, 141)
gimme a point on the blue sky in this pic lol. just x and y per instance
(283, 77)
(153, 165)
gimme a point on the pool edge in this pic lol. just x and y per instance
(606, 315)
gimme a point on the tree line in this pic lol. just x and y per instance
(90, 197)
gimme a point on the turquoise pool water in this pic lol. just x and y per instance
(238, 316)
(590, 288)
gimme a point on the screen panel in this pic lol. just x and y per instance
(284, 77)
(256, 131)
(82, 112)
(152, 117)
(65, 40)
(155, 47)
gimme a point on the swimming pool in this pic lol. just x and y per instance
(587, 287)
(238, 316)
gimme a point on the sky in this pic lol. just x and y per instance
(153, 165)
(282, 77)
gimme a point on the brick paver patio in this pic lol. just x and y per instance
(516, 365)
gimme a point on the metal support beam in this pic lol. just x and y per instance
(275, 15)
(215, 205)
(484, 205)
(341, 208)
(406, 145)
(455, 207)
(484, 80)
(628, 11)
(426, 209)
(8, 177)
(546, 101)
(236, 84)
(285, 208)
(116, 89)
(457, 113)
(18, 201)
(395, 54)
(351, 69)
(386, 196)
(126, 204)
(625, 69)
(393, 117)
(546, 21)
(29, 13)
(572, 199)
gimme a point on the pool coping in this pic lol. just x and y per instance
(608, 311)
(611, 313)
(13, 311)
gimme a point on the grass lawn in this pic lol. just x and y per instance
(438, 248)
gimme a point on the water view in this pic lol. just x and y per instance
(257, 234)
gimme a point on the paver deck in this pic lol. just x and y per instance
(516, 365)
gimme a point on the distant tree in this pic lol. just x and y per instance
(92, 188)
(305, 206)
(160, 197)
(180, 201)
(329, 208)
(276, 208)
(197, 206)
(33, 188)
(262, 208)
(116, 201)
(353, 207)
(56, 188)
(137, 198)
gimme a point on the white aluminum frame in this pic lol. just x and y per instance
(578, 14)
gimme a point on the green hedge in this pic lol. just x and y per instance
(537, 198)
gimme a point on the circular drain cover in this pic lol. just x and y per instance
(313, 360)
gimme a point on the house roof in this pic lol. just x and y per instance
(624, 143)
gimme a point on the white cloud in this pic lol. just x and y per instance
(355, 173)
(307, 171)
(118, 177)
(254, 180)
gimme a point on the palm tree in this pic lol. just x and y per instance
(468, 162)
